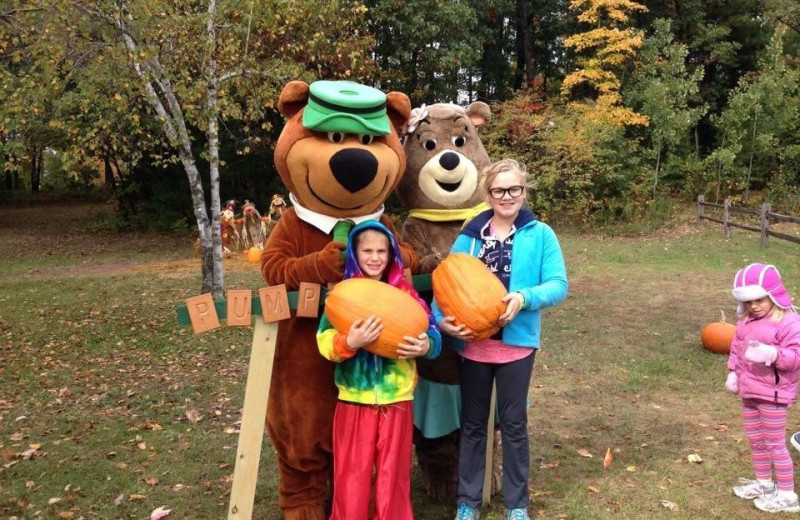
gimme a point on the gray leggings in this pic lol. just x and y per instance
(512, 380)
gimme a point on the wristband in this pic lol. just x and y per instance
(522, 299)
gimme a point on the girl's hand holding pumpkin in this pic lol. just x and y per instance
(448, 326)
(363, 332)
(514, 302)
(414, 347)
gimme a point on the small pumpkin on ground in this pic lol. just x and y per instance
(358, 298)
(254, 254)
(465, 288)
(718, 335)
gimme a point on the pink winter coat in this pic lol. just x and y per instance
(776, 383)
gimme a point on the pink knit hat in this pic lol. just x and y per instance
(757, 281)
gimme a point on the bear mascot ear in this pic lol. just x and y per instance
(399, 109)
(294, 97)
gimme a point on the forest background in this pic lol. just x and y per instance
(617, 108)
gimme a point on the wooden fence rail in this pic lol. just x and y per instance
(764, 215)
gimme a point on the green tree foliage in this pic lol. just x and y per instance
(424, 46)
(663, 89)
(578, 167)
(759, 146)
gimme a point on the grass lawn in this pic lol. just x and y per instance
(108, 409)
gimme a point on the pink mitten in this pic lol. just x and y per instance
(730, 383)
(762, 353)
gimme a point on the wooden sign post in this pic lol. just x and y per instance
(254, 413)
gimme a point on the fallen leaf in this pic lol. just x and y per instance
(136, 497)
(66, 514)
(119, 499)
(593, 489)
(152, 426)
(608, 459)
(159, 513)
(151, 481)
(583, 452)
(672, 506)
(193, 416)
(54, 500)
(694, 457)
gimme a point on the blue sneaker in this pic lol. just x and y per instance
(795, 440)
(467, 513)
(519, 513)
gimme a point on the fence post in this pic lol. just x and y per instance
(701, 209)
(726, 217)
(765, 208)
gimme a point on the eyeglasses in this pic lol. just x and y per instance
(513, 191)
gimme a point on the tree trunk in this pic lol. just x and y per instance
(36, 154)
(752, 153)
(658, 168)
(520, 43)
(110, 183)
(169, 110)
(212, 89)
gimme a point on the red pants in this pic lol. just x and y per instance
(367, 437)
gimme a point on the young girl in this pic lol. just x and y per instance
(373, 422)
(764, 368)
(525, 255)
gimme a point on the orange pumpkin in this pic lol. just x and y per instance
(359, 298)
(465, 288)
(718, 335)
(254, 254)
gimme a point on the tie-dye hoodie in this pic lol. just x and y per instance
(363, 377)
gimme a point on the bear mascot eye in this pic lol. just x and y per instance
(366, 139)
(430, 144)
(335, 137)
(459, 140)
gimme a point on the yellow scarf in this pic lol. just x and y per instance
(449, 215)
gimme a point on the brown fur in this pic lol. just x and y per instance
(303, 396)
(444, 157)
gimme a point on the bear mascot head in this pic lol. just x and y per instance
(441, 189)
(340, 157)
(444, 158)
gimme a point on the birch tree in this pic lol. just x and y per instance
(194, 64)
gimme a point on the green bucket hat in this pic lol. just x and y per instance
(346, 106)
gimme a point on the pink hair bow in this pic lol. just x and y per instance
(417, 115)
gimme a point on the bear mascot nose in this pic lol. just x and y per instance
(449, 161)
(354, 168)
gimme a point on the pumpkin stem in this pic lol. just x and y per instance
(722, 316)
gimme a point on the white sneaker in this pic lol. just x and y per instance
(750, 489)
(778, 503)
(795, 441)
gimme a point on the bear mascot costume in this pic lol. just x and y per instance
(340, 157)
(441, 189)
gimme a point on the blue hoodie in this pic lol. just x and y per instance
(537, 271)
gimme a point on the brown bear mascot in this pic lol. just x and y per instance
(340, 157)
(441, 189)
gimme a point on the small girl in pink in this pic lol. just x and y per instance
(764, 369)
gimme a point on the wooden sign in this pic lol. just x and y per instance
(203, 313)
(239, 314)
